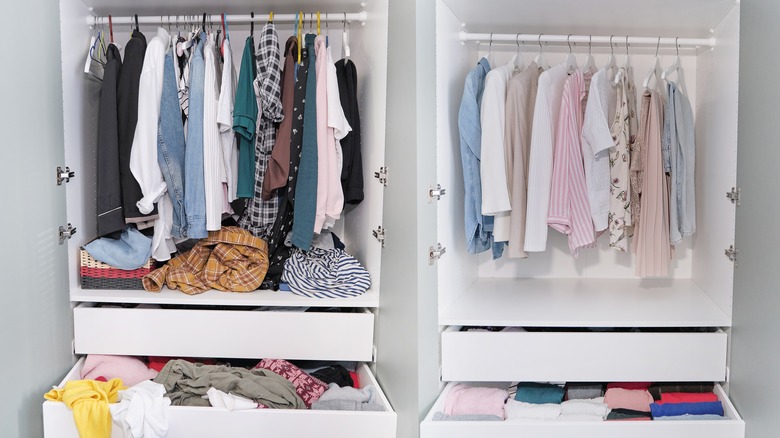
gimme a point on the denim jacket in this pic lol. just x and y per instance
(680, 148)
(479, 228)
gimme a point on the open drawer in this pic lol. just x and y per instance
(731, 427)
(192, 422)
(583, 356)
(235, 333)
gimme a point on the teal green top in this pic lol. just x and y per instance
(244, 120)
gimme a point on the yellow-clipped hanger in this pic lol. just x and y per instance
(318, 23)
(271, 17)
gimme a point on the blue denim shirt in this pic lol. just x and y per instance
(479, 228)
(680, 143)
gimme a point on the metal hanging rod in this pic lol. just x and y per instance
(216, 18)
(513, 38)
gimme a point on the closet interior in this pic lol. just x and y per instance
(216, 324)
(552, 317)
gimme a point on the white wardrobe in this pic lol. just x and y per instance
(260, 324)
(684, 320)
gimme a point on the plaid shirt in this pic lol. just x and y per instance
(260, 215)
(230, 259)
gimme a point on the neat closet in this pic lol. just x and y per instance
(214, 324)
(590, 319)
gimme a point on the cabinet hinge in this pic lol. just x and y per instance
(733, 195)
(66, 232)
(379, 234)
(381, 175)
(435, 253)
(732, 254)
(64, 175)
(435, 193)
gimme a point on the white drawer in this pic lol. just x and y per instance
(196, 422)
(732, 427)
(223, 333)
(583, 356)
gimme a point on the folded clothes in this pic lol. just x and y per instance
(580, 417)
(345, 405)
(539, 393)
(629, 385)
(578, 391)
(687, 397)
(691, 418)
(465, 400)
(128, 368)
(365, 395)
(131, 251)
(673, 409)
(142, 411)
(308, 388)
(658, 388)
(186, 383)
(441, 416)
(516, 410)
(334, 374)
(634, 399)
(585, 407)
(627, 414)
(231, 402)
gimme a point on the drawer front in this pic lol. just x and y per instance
(191, 422)
(223, 333)
(585, 357)
(731, 427)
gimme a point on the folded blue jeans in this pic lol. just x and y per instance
(131, 251)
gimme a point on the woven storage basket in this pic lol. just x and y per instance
(98, 275)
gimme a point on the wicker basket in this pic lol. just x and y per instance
(98, 275)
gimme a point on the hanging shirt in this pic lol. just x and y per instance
(229, 167)
(546, 111)
(194, 181)
(352, 170)
(478, 227)
(682, 153)
(651, 236)
(110, 218)
(596, 142)
(338, 128)
(212, 147)
(182, 67)
(520, 100)
(620, 162)
(495, 191)
(244, 121)
(569, 210)
(260, 215)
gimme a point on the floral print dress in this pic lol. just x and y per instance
(624, 129)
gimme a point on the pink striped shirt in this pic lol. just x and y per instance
(569, 210)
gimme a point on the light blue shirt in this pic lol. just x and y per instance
(679, 150)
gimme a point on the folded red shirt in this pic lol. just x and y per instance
(687, 397)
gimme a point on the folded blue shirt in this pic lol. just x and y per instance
(676, 409)
(131, 251)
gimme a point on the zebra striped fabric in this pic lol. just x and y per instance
(325, 273)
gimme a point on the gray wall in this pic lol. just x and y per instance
(755, 363)
(35, 316)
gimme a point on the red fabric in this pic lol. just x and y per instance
(158, 362)
(309, 388)
(355, 380)
(101, 379)
(113, 273)
(687, 397)
(629, 385)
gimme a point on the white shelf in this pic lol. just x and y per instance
(584, 303)
(218, 298)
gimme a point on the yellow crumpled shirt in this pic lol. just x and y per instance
(89, 399)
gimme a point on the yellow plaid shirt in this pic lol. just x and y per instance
(231, 259)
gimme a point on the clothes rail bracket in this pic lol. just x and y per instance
(66, 232)
(64, 175)
(435, 253)
(733, 195)
(435, 193)
(732, 253)
(379, 235)
(381, 175)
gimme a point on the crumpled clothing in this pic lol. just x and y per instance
(131, 251)
(320, 273)
(89, 399)
(231, 402)
(364, 395)
(142, 411)
(345, 405)
(128, 368)
(231, 259)
(308, 388)
(186, 383)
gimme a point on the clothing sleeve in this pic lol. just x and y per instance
(596, 132)
(495, 195)
(539, 171)
(559, 212)
(336, 118)
(143, 155)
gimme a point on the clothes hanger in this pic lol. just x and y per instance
(327, 31)
(590, 62)
(676, 67)
(626, 66)
(655, 70)
(570, 62)
(252, 24)
(611, 62)
(490, 58)
(517, 60)
(345, 39)
(539, 60)
(318, 24)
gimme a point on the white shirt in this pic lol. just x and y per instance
(495, 189)
(339, 127)
(546, 111)
(229, 169)
(212, 142)
(596, 141)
